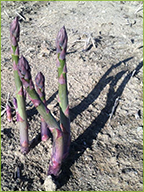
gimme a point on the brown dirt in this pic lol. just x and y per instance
(106, 153)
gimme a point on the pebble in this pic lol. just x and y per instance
(49, 184)
(113, 160)
(139, 129)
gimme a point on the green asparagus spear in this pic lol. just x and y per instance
(21, 117)
(61, 46)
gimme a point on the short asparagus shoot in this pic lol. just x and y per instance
(40, 85)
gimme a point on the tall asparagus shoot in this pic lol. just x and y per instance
(57, 151)
(21, 117)
(40, 85)
(61, 46)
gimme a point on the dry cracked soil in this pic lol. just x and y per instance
(105, 83)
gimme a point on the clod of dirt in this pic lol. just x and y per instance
(49, 184)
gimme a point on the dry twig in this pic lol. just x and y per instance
(113, 108)
(4, 110)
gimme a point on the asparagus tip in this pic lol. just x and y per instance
(61, 42)
(14, 31)
(24, 72)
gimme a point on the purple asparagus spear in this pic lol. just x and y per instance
(57, 151)
(40, 85)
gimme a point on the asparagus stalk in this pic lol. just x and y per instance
(21, 116)
(40, 85)
(61, 45)
(57, 151)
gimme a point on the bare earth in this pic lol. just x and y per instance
(105, 83)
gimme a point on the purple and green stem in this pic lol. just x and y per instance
(61, 45)
(57, 151)
(40, 85)
(21, 115)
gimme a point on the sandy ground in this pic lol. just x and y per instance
(105, 83)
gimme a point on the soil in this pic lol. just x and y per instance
(105, 83)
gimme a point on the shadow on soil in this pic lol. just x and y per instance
(78, 147)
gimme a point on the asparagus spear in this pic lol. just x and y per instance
(61, 45)
(57, 151)
(21, 116)
(40, 85)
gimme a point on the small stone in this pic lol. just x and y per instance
(84, 143)
(49, 184)
(139, 129)
(113, 161)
